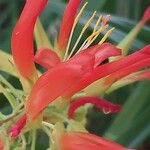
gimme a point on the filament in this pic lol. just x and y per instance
(82, 32)
(106, 36)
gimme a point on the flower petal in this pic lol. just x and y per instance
(126, 71)
(102, 52)
(84, 141)
(98, 102)
(67, 23)
(96, 54)
(22, 37)
(108, 69)
(47, 58)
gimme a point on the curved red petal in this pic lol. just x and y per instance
(102, 52)
(47, 58)
(107, 69)
(67, 23)
(85, 141)
(96, 54)
(98, 102)
(22, 37)
(124, 62)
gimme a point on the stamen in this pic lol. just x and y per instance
(73, 27)
(88, 22)
(95, 33)
(82, 32)
(101, 29)
(80, 13)
(106, 36)
(97, 23)
(146, 15)
(92, 38)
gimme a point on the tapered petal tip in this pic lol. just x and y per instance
(14, 132)
(16, 128)
(146, 16)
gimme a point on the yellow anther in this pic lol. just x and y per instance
(106, 36)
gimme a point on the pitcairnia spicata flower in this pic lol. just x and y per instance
(73, 71)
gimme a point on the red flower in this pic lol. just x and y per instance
(85, 141)
(65, 78)
(22, 38)
(58, 80)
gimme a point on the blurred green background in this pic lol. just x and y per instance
(131, 127)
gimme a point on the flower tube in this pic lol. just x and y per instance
(22, 38)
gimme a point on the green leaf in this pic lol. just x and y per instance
(131, 115)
